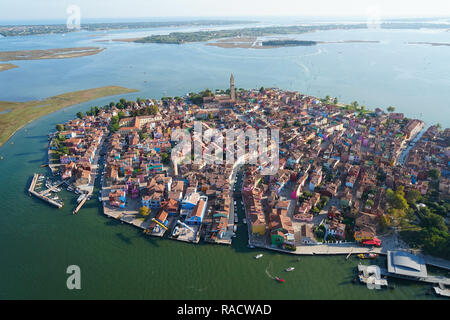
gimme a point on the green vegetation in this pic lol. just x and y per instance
(93, 112)
(144, 211)
(391, 109)
(288, 43)
(201, 36)
(114, 124)
(422, 227)
(434, 174)
(197, 98)
(22, 113)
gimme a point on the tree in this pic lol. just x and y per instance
(335, 100)
(327, 98)
(355, 104)
(385, 222)
(369, 203)
(412, 196)
(430, 221)
(164, 157)
(261, 89)
(391, 109)
(144, 211)
(434, 174)
(80, 115)
(60, 127)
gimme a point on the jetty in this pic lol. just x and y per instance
(427, 279)
(42, 195)
(52, 188)
(82, 202)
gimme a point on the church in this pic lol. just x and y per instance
(222, 100)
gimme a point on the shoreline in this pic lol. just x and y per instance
(12, 121)
(60, 53)
(7, 66)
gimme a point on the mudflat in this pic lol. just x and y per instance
(61, 53)
(14, 115)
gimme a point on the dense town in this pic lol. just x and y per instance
(346, 174)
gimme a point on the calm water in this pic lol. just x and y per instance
(117, 261)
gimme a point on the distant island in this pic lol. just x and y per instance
(435, 44)
(202, 36)
(7, 66)
(254, 43)
(25, 30)
(62, 53)
(285, 43)
(14, 115)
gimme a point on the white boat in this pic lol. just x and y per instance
(244, 221)
(290, 269)
(251, 246)
(100, 199)
(235, 228)
(258, 256)
(81, 197)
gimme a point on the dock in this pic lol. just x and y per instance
(427, 279)
(59, 183)
(42, 195)
(82, 202)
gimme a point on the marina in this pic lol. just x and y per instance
(43, 195)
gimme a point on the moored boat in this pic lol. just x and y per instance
(289, 269)
(368, 255)
(258, 256)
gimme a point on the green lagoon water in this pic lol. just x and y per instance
(39, 242)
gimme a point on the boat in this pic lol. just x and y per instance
(244, 221)
(81, 197)
(258, 256)
(368, 255)
(251, 246)
(279, 279)
(442, 290)
(235, 228)
(100, 199)
(289, 269)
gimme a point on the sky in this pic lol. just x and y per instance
(102, 9)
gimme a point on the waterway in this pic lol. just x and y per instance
(116, 260)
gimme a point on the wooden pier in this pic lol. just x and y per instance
(82, 202)
(52, 188)
(42, 194)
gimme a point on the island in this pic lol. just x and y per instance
(434, 44)
(60, 53)
(7, 66)
(26, 30)
(14, 115)
(255, 43)
(349, 180)
(202, 36)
